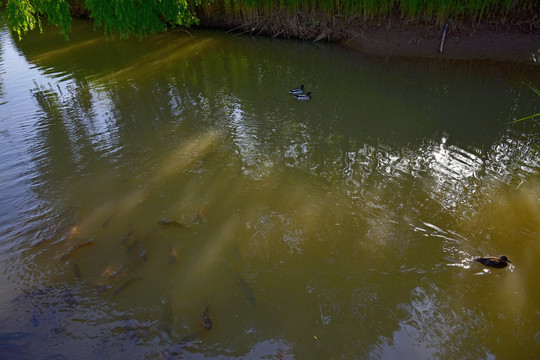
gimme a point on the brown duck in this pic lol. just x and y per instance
(494, 262)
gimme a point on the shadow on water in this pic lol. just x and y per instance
(175, 180)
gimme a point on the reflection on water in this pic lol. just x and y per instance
(169, 199)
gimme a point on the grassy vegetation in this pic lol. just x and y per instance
(330, 19)
(411, 9)
(298, 18)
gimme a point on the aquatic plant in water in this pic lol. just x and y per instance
(530, 116)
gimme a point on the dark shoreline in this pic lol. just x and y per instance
(461, 42)
(516, 40)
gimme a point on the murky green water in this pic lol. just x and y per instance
(343, 227)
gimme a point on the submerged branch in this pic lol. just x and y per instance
(441, 48)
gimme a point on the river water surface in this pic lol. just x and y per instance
(168, 198)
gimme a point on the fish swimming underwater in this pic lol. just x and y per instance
(75, 248)
(125, 285)
(170, 223)
(207, 321)
(172, 255)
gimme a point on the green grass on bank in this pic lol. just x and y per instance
(411, 9)
(140, 17)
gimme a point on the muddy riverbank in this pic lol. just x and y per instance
(512, 36)
(514, 39)
(462, 42)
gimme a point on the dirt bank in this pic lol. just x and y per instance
(512, 37)
(515, 38)
(509, 44)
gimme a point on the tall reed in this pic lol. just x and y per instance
(439, 10)
(331, 19)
